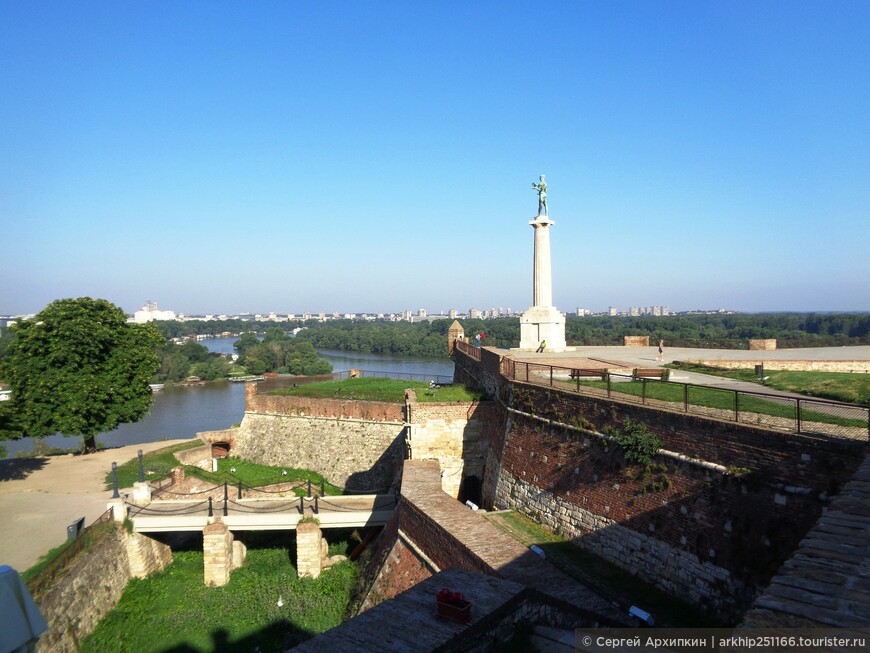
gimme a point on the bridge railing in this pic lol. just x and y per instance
(793, 414)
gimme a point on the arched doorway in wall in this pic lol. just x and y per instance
(470, 490)
(220, 450)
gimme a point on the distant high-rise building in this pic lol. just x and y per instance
(474, 313)
(150, 312)
(612, 310)
(634, 311)
(421, 313)
(452, 313)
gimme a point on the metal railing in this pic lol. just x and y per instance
(792, 414)
(468, 349)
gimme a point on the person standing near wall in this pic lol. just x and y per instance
(661, 356)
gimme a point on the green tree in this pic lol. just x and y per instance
(79, 368)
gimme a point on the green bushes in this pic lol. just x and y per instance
(638, 444)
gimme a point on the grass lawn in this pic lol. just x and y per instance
(174, 610)
(160, 462)
(722, 400)
(379, 389)
(606, 579)
(837, 386)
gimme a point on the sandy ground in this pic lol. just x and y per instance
(40, 497)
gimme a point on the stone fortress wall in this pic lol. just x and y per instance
(711, 521)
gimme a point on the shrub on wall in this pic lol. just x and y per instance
(638, 444)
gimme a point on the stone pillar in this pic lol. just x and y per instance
(217, 553)
(177, 474)
(141, 493)
(240, 552)
(309, 552)
(542, 321)
(119, 510)
(542, 281)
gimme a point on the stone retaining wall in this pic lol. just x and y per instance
(77, 601)
(361, 455)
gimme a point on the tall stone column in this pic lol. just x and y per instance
(543, 321)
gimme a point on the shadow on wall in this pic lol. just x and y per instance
(384, 473)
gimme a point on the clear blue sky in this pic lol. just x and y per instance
(378, 156)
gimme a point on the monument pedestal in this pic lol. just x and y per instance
(542, 323)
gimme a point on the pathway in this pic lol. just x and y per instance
(40, 497)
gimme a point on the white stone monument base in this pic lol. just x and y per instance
(542, 323)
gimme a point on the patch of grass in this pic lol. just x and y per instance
(174, 610)
(606, 579)
(255, 475)
(837, 386)
(52, 565)
(158, 462)
(721, 400)
(380, 389)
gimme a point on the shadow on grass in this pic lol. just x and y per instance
(277, 636)
(17, 469)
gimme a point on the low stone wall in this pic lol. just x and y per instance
(198, 456)
(762, 344)
(851, 367)
(77, 601)
(635, 341)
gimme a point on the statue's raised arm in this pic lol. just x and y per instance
(541, 187)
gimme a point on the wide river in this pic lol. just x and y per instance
(183, 412)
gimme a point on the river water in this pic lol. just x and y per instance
(183, 412)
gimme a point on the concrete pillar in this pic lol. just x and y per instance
(309, 552)
(543, 272)
(542, 322)
(217, 553)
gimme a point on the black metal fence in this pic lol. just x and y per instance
(792, 414)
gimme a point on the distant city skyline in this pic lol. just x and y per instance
(250, 157)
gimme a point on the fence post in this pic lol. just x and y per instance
(798, 410)
(686, 397)
(316, 507)
(115, 493)
(608, 385)
(322, 487)
(301, 506)
(736, 406)
(226, 498)
(210, 511)
(141, 468)
(309, 488)
(551, 376)
(240, 488)
(643, 391)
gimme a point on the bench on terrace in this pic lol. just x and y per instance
(580, 373)
(649, 373)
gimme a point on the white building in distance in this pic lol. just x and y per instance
(151, 312)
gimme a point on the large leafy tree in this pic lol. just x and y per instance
(79, 368)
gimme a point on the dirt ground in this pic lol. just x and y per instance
(40, 497)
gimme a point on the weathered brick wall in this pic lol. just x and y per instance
(635, 341)
(267, 404)
(692, 531)
(77, 601)
(361, 455)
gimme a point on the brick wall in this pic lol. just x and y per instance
(310, 406)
